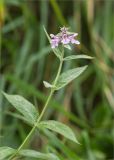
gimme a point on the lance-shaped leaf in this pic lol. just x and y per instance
(59, 128)
(47, 34)
(26, 108)
(39, 155)
(77, 57)
(68, 76)
(5, 152)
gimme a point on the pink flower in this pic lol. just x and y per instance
(72, 39)
(63, 37)
(54, 40)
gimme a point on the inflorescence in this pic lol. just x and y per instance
(63, 37)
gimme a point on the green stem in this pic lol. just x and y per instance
(42, 113)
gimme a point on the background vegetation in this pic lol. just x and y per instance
(87, 104)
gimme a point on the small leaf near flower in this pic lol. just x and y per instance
(67, 46)
(47, 85)
(77, 57)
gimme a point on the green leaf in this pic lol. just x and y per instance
(47, 34)
(47, 85)
(57, 52)
(19, 116)
(5, 152)
(35, 154)
(68, 76)
(27, 109)
(59, 128)
(77, 57)
(67, 46)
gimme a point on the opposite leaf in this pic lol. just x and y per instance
(68, 76)
(39, 155)
(67, 46)
(59, 128)
(77, 57)
(47, 34)
(5, 152)
(27, 109)
(47, 85)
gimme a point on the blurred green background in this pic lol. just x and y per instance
(87, 104)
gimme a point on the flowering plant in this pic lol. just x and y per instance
(28, 112)
(64, 37)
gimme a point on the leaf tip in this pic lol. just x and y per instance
(76, 141)
(44, 28)
(85, 67)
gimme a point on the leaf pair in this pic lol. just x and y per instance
(5, 152)
(30, 115)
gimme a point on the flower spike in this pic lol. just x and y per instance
(63, 37)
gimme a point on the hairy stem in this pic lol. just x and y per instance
(42, 113)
